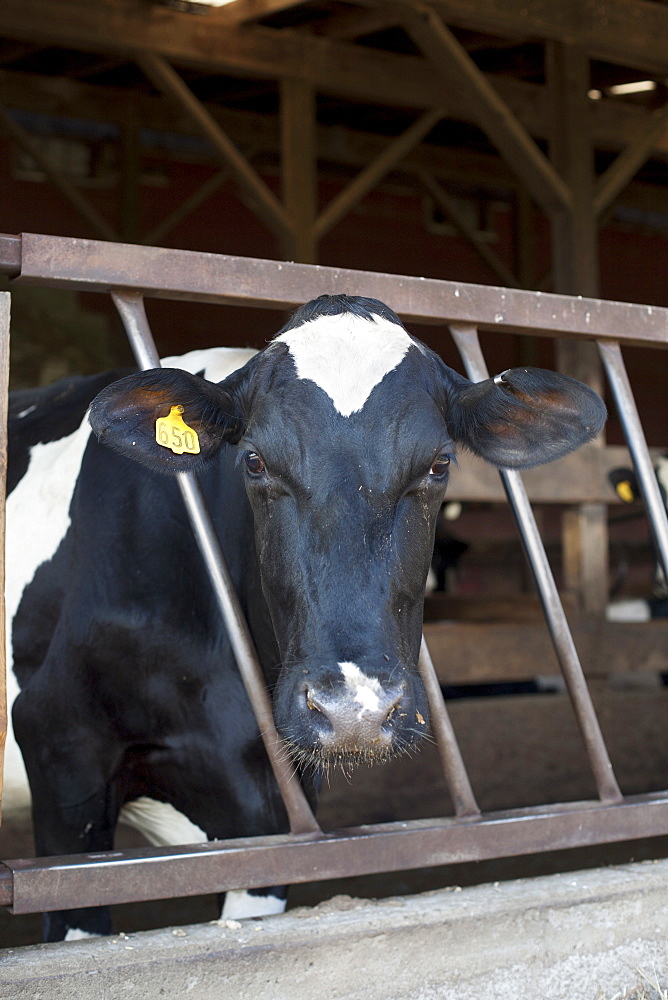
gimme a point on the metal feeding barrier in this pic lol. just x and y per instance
(130, 273)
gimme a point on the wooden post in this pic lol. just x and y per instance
(527, 353)
(4, 381)
(129, 182)
(299, 169)
(576, 272)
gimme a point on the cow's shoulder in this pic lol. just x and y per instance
(49, 413)
(213, 363)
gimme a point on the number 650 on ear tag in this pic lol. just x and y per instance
(173, 432)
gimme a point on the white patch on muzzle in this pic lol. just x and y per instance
(363, 689)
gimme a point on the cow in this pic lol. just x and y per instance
(324, 459)
(641, 609)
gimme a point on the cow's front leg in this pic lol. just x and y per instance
(242, 903)
(70, 769)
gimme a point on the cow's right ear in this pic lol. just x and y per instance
(167, 419)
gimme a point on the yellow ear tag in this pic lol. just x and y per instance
(624, 491)
(173, 432)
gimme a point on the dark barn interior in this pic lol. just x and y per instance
(519, 144)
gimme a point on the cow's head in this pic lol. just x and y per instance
(346, 427)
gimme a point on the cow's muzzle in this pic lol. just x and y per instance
(347, 717)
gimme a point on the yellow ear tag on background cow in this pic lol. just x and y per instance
(173, 432)
(624, 491)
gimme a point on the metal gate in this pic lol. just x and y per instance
(130, 273)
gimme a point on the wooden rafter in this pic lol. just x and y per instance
(99, 225)
(299, 178)
(171, 84)
(355, 23)
(627, 164)
(246, 11)
(626, 32)
(155, 236)
(615, 124)
(372, 174)
(455, 71)
(613, 128)
(450, 207)
(641, 29)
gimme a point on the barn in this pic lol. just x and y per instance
(495, 173)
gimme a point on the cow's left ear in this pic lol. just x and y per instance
(167, 419)
(523, 417)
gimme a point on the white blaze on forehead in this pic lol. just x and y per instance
(363, 689)
(346, 355)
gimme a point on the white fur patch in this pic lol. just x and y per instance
(76, 934)
(633, 610)
(346, 356)
(216, 362)
(662, 472)
(38, 519)
(161, 823)
(240, 904)
(363, 689)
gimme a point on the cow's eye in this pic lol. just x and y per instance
(254, 463)
(440, 466)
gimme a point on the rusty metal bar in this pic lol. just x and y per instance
(613, 361)
(131, 310)
(160, 873)
(468, 344)
(455, 773)
(10, 255)
(91, 265)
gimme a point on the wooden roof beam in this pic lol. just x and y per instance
(170, 83)
(450, 207)
(332, 67)
(627, 32)
(458, 74)
(625, 167)
(371, 175)
(245, 11)
(99, 225)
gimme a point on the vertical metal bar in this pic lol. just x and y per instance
(4, 382)
(468, 344)
(454, 770)
(611, 355)
(130, 306)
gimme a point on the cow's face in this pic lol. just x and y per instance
(345, 427)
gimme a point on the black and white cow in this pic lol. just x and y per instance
(324, 459)
(654, 605)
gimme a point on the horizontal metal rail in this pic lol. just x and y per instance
(36, 885)
(92, 265)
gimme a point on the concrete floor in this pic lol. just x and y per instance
(580, 936)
